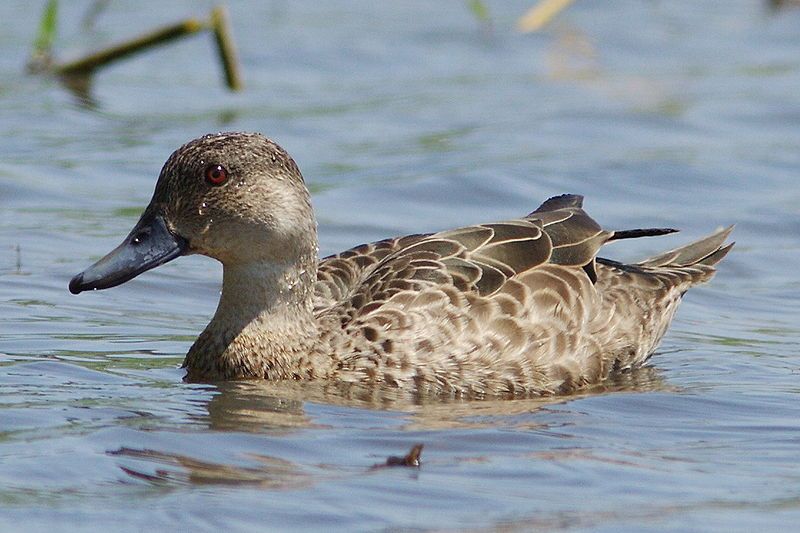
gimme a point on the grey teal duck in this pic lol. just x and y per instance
(521, 307)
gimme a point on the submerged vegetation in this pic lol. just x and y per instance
(77, 74)
(536, 18)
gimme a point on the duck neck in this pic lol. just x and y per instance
(264, 325)
(265, 289)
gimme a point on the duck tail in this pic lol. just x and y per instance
(707, 251)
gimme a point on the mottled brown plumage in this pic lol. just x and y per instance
(518, 307)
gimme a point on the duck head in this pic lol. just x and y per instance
(236, 197)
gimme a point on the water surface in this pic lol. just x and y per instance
(406, 117)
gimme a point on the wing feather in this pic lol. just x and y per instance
(480, 258)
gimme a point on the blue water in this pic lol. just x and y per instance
(406, 117)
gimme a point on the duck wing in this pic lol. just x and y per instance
(478, 259)
(498, 306)
(521, 306)
(339, 275)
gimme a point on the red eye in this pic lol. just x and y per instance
(216, 174)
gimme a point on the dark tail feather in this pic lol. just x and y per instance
(642, 232)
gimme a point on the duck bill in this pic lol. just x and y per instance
(148, 245)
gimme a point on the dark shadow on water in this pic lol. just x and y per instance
(265, 471)
(174, 469)
(81, 89)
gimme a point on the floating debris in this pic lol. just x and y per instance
(412, 458)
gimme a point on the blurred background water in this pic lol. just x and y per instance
(405, 117)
